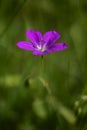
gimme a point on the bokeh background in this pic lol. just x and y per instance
(51, 96)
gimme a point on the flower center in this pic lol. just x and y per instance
(42, 46)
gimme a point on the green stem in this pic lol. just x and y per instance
(41, 76)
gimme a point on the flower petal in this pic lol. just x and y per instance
(55, 47)
(50, 37)
(25, 45)
(59, 47)
(34, 36)
(42, 53)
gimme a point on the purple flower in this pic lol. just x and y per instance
(42, 44)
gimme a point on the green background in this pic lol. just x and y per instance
(51, 95)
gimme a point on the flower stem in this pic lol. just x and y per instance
(42, 59)
(41, 77)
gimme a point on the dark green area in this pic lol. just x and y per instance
(51, 96)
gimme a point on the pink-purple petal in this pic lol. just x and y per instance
(39, 35)
(41, 53)
(25, 45)
(59, 47)
(50, 37)
(34, 36)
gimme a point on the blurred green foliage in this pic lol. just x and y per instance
(25, 99)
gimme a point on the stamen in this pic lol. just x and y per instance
(42, 46)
